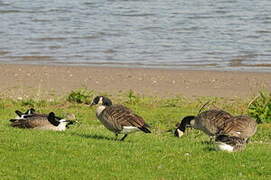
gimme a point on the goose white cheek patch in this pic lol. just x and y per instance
(180, 133)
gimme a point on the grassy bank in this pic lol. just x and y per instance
(88, 151)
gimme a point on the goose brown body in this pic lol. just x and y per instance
(239, 126)
(118, 118)
(35, 122)
(41, 121)
(211, 121)
(235, 133)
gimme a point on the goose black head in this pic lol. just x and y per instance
(183, 125)
(57, 121)
(101, 100)
(53, 119)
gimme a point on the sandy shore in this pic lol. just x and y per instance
(45, 81)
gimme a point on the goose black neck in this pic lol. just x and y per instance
(52, 119)
(186, 120)
(107, 101)
(19, 113)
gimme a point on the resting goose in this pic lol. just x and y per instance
(118, 118)
(42, 122)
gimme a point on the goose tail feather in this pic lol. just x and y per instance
(144, 129)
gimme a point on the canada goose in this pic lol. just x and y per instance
(210, 122)
(118, 118)
(239, 126)
(32, 112)
(41, 121)
(229, 143)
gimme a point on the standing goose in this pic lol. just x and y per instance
(118, 118)
(210, 122)
(42, 122)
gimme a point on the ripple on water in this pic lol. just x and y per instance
(154, 33)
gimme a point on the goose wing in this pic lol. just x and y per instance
(216, 117)
(136, 121)
(123, 116)
(240, 126)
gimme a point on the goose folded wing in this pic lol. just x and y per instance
(22, 123)
(234, 127)
(30, 122)
(134, 120)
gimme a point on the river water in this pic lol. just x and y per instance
(184, 34)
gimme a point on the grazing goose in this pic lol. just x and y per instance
(118, 118)
(229, 143)
(41, 121)
(210, 122)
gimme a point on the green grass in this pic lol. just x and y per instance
(81, 95)
(88, 151)
(260, 107)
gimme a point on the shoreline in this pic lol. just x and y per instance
(265, 68)
(43, 81)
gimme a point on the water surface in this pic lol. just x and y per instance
(195, 34)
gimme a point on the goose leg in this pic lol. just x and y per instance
(116, 137)
(122, 139)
